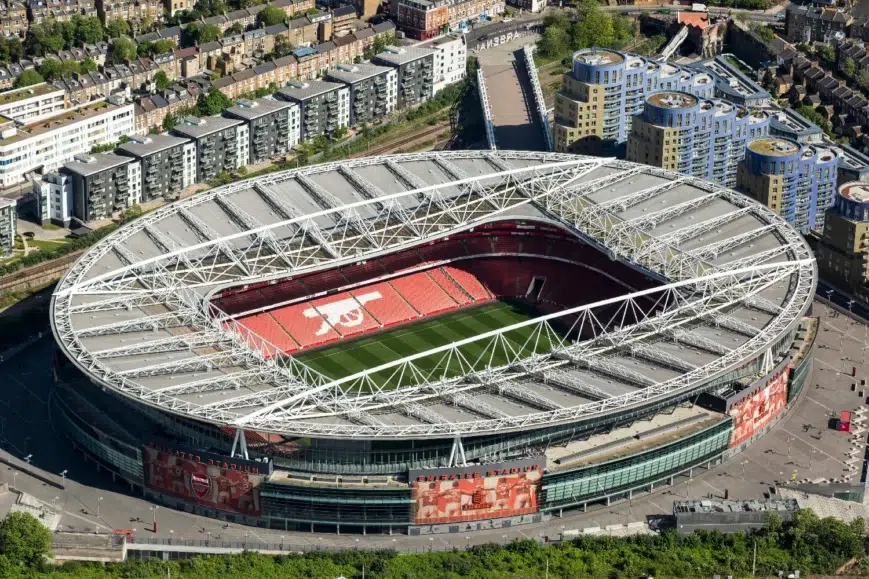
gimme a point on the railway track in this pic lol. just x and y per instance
(393, 146)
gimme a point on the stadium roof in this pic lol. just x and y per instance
(134, 311)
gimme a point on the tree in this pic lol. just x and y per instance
(235, 29)
(169, 122)
(53, 69)
(863, 79)
(88, 65)
(198, 33)
(44, 39)
(339, 133)
(163, 46)
(210, 8)
(28, 77)
(87, 29)
(11, 49)
(117, 27)
(595, 29)
(283, 47)
(849, 67)
(828, 53)
(23, 539)
(554, 42)
(271, 15)
(212, 102)
(162, 81)
(122, 50)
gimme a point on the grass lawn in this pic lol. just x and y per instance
(347, 358)
(46, 244)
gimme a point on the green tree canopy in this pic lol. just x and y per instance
(271, 15)
(11, 49)
(23, 539)
(53, 69)
(198, 33)
(117, 27)
(849, 67)
(88, 65)
(828, 53)
(28, 77)
(87, 29)
(163, 45)
(161, 80)
(555, 41)
(122, 50)
(212, 102)
(863, 79)
(235, 29)
(594, 29)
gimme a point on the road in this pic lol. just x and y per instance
(799, 443)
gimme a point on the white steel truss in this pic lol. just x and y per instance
(260, 387)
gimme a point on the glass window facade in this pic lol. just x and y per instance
(597, 481)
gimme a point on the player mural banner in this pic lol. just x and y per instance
(757, 409)
(219, 484)
(479, 492)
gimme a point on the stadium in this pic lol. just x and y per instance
(431, 342)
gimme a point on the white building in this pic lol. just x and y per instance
(32, 103)
(450, 59)
(49, 143)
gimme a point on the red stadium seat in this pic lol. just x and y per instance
(448, 285)
(469, 283)
(265, 326)
(347, 314)
(423, 293)
(390, 308)
(305, 324)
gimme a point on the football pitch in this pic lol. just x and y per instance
(344, 359)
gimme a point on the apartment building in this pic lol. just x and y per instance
(49, 143)
(732, 85)
(32, 103)
(705, 138)
(8, 224)
(168, 164)
(13, 19)
(815, 23)
(323, 106)
(853, 165)
(796, 181)
(132, 11)
(604, 91)
(222, 144)
(101, 185)
(273, 126)
(450, 59)
(365, 9)
(843, 251)
(789, 124)
(58, 10)
(415, 69)
(421, 19)
(343, 20)
(373, 90)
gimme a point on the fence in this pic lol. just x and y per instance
(542, 113)
(487, 111)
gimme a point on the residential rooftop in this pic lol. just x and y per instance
(302, 91)
(196, 127)
(249, 110)
(67, 117)
(356, 72)
(86, 165)
(26, 93)
(144, 146)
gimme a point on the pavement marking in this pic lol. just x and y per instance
(810, 399)
(804, 441)
(657, 506)
(713, 487)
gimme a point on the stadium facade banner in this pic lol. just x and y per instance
(477, 492)
(221, 485)
(759, 407)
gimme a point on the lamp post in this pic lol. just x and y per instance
(99, 502)
(29, 457)
(63, 478)
(15, 480)
(743, 463)
(154, 510)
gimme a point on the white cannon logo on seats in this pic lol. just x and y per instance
(347, 312)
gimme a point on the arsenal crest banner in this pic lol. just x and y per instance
(210, 483)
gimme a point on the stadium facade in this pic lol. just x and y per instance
(432, 342)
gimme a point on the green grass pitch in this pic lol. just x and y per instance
(344, 359)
